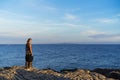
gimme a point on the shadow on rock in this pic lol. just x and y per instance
(37, 75)
(20, 73)
(111, 73)
(3, 78)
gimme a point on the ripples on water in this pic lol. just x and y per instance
(59, 56)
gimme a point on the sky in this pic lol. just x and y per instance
(60, 21)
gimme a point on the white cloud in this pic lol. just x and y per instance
(107, 20)
(63, 25)
(91, 32)
(118, 15)
(70, 17)
(13, 20)
(26, 22)
(12, 15)
(51, 8)
(12, 33)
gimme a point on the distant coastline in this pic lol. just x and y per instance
(67, 44)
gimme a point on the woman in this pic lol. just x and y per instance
(29, 56)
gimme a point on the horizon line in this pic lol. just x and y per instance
(55, 43)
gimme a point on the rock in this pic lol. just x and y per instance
(110, 73)
(97, 76)
(7, 67)
(67, 70)
(115, 74)
(20, 73)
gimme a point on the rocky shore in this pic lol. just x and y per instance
(20, 73)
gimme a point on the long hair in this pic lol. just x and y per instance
(29, 40)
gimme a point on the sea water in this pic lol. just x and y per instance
(63, 56)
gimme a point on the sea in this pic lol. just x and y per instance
(63, 56)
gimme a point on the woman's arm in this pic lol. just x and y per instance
(30, 48)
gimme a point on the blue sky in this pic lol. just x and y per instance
(59, 21)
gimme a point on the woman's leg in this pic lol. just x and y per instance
(30, 64)
(27, 65)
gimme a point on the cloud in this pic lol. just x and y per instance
(50, 8)
(105, 37)
(39, 5)
(12, 40)
(94, 36)
(9, 14)
(12, 37)
(30, 18)
(118, 15)
(71, 9)
(91, 32)
(98, 36)
(15, 21)
(17, 33)
(70, 17)
(108, 20)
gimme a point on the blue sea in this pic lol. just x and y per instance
(62, 56)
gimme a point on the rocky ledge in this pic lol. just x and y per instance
(20, 73)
